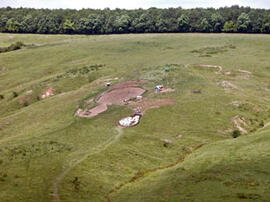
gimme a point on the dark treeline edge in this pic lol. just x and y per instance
(233, 19)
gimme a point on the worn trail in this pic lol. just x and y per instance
(140, 175)
(74, 163)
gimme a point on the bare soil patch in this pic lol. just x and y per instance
(257, 109)
(24, 99)
(166, 142)
(179, 136)
(239, 123)
(140, 107)
(89, 113)
(119, 94)
(167, 90)
(143, 105)
(220, 69)
(236, 103)
(225, 132)
(129, 84)
(89, 101)
(244, 71)
(29, 92)
(227, 84)
(47, 93)
(111, 79)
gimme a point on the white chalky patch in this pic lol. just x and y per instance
(130, 121)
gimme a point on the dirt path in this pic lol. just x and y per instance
(220, 69)
(75, 162)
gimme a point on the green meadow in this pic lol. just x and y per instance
(218, 129)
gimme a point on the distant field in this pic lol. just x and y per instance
(222, 89)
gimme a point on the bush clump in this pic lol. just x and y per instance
(25, 103)
(261, 123)
(236, 133)
(15, 46)
(2, 97)
(15, 94)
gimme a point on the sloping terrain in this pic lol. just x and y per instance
(232, 170)
(179, 151)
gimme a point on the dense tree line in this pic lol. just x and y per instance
(153, 20)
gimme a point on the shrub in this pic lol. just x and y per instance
(196, 91)
(236, 133)
(76, 183)
(2, 97)
(12, 47)
(15, 94)
(15, 46)
(25, 103)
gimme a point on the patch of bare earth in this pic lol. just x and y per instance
(47, 93)
(111, 79)
(220, 68)
(119, 94)
(29, 92)
(239, 123)
(227, 84)
(140, 107)
(24, 99)
(244, 71)
(236, 103)
(167, 90)
(244, 76)
(166, 142)
(129, 84)
(89, 101)
(255, 108)
(143, 105)
(225, 132)
(89, 113)
(266, 125)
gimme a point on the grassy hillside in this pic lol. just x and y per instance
(231, 170)
(48, 154)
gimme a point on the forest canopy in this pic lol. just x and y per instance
(233, 19)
